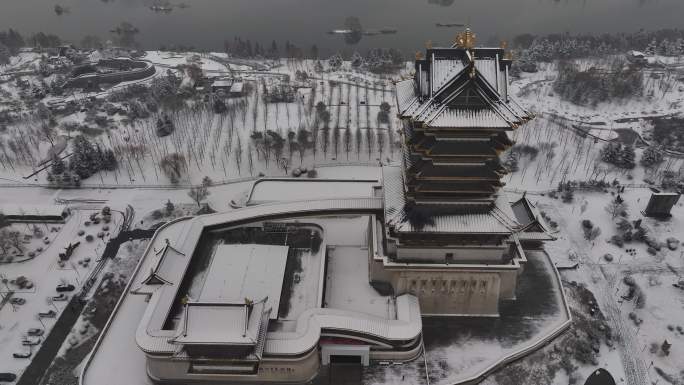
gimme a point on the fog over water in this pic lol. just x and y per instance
(207, 23)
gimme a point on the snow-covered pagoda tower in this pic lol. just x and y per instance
(451, 236)
(457, 112)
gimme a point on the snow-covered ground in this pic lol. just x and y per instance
(220, 145)
(45, 273)
(210, 143)
(663, 95)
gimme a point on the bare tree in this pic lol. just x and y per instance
(284, 163)
(10, 238)
(250, 159)
(347, 141)
(616, 207)
(198, 194)
(238, 155)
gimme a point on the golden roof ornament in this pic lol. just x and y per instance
(419, 55)
(465, 39)
(504, 44)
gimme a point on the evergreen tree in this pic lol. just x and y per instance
(5, 54)
(335, 61)
(169, 207)
(84, 158)
(58, 165)
(357, 60)
(109, 163)
(651, 156)
(207, 182)
(610, 153)
(628, 158)
(274, 50)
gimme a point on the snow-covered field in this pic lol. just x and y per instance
(220, 146)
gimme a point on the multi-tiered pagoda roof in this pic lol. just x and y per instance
(457, 112)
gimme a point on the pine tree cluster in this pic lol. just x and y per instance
(668, 42)
(619, 155)
(596, 85)
(651, 156)
(87, 159)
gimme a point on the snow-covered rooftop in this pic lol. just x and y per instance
(222, 83)
(246, 272)
(279, 189)
(237, 87)
(207, 323)
(44, 210)
(497, 220)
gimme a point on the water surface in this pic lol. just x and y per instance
(207, 23)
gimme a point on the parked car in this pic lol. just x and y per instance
(61, 297)
(47, 314)
(21, 355)
(31, 341)
(7, 377)
(65, 287)
(17, 301)
(35, 332)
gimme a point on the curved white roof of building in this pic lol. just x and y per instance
(152, 338)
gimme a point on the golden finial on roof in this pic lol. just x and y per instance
(465, 39)
(504, 44)
(428, 44)
(419, 55)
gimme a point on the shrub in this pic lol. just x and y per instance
(651, 156)
(591, 232)
(173, 166)
(567, 196)
(617, 240)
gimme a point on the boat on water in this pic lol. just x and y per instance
(161, 8)
(450, 25)
(340, 32)
(388, 31)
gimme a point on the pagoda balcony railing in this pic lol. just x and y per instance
(428, 152)
(419, 176)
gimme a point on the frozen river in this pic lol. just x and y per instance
(207, 23)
